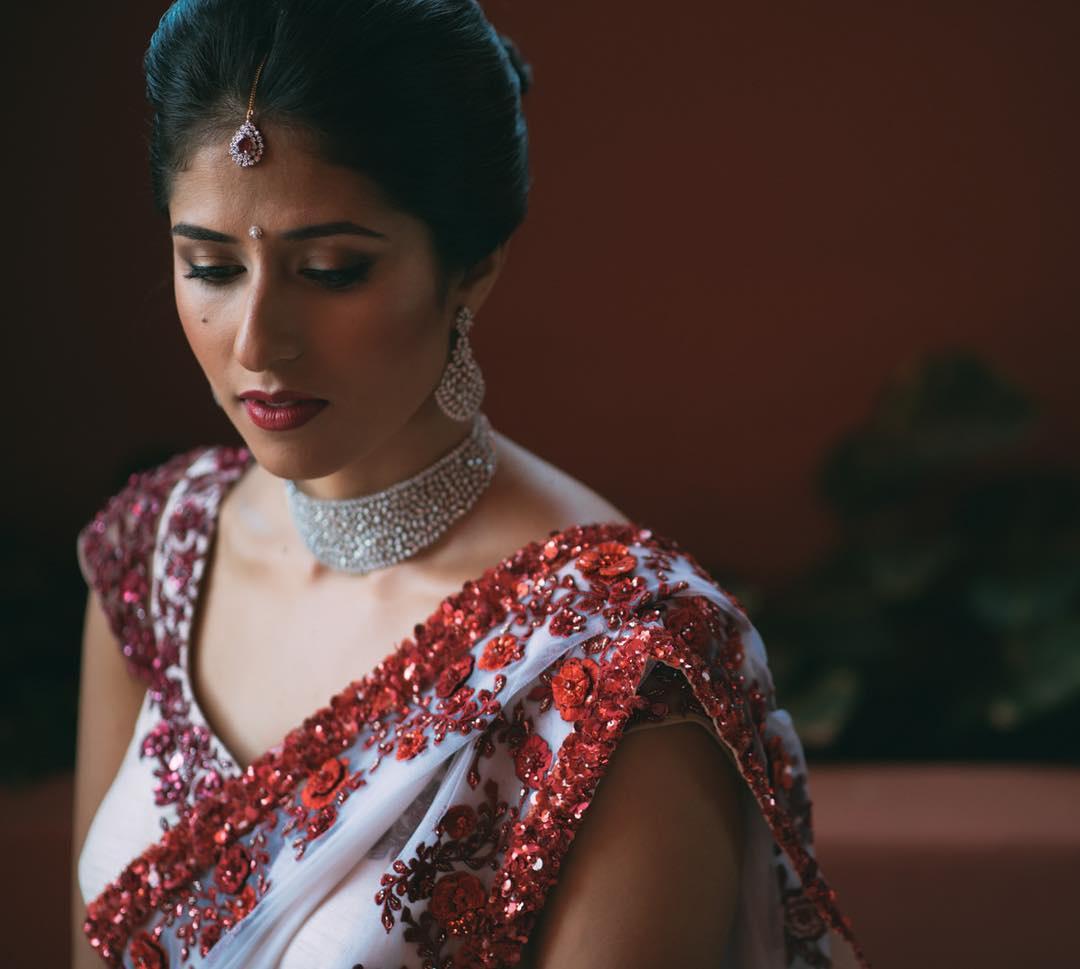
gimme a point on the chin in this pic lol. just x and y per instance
(293, 460)
(307, 451)
(293, 455)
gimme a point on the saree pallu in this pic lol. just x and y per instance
(420, 818)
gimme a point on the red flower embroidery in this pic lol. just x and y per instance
(731, 654)
(801, 917)
(386, 699)
(566, 622)
(572, 687)
(243, 903)
(410, 744)
(529, 854)
(624, 589)
(686, 623)
(454, 675)
(459, 821)
(146, 953)
(325, 783)
(456, 900)
(233, 869)
(608, 559)
(134, 587)
(159, 740)
(500, 651)
(531, 759)
(322, 822)
(210, 935)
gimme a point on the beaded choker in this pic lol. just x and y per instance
(377, 530)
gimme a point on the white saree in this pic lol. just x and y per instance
(419, 819)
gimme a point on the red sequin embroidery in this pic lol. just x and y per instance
(481, 881)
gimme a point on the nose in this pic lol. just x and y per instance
(266, 335)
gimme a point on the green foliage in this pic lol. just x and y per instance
(945, 622)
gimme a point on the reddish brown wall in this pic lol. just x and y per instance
(743, 219)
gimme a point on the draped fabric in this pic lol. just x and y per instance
(420, 817)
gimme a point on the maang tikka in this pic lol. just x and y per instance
(247, 144)
(461, 388)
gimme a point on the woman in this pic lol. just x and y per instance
(341, 181)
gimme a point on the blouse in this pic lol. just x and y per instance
(420, 817)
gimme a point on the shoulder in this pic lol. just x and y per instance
(529, 499)
(114, 549)
(667, 813)
(549, 493)
(139, 501)
(121, 517)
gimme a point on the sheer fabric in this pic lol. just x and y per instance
(421, 816)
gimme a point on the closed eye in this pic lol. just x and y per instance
(328, 278)
(215, 275)
(338, 278)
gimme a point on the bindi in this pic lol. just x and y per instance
(255, 232)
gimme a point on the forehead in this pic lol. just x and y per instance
(290, 184)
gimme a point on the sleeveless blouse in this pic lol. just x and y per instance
(420, 818)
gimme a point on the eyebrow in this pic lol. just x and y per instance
(201, 234)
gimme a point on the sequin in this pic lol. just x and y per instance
(607, 559)
(454, 675)
(410, 743)
(147, 954)
(572, 687)
(456, 900)
(685, 621)
(532, 758)
(233, 869)
(501, 651)
(325, 783)
(476, 883)
(459, 822)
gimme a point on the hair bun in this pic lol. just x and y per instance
(523, 69)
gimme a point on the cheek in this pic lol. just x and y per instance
(198, 324)
(394, 332)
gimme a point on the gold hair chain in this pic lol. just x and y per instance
(255, 84)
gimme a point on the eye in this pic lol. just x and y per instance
(329, 278)
(214, 275)
(339, 278)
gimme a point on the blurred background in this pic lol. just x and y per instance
(798, 288)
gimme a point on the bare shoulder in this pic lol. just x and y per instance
(545, 497)
(666, 812)
(528, 499)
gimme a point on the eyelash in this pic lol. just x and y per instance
(333, 279)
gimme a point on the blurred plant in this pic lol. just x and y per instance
(946, 620)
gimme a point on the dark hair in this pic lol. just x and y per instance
(422, 96)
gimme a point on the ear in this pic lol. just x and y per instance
(473, 288)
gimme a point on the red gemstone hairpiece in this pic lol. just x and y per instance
(247, 144)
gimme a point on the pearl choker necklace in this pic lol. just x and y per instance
(377, 530)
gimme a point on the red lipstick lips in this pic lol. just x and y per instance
(282, 410)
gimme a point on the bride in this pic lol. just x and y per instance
(349, 689)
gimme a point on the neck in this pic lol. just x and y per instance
(262, 506)
(424, 438)
(370, 532)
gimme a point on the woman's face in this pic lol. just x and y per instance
(337, 299)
